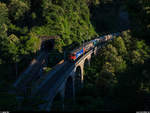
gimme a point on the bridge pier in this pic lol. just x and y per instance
(82, 78)
(78, 77)
(95, 50)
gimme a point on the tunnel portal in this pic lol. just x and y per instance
(48, 42)
(47, 45)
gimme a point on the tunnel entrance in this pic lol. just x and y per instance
(47, 45)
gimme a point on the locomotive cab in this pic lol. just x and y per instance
(72, 57)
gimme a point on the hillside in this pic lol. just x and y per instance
(119, 75)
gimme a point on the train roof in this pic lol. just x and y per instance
(76, 49)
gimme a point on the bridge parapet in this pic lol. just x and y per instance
(30, 74)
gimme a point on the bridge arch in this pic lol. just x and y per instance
(86, 63)
(78, 78)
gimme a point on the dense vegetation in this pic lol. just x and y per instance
(118, 77)
(23, 21)
(139, 14)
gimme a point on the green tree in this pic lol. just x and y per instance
(120, 45)
(31, 44)
(17, 9)
(136, 57)
(139, 17)
(69, 20)
(3, 14)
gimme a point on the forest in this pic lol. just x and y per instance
(119, 76)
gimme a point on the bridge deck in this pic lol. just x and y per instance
(50, 88)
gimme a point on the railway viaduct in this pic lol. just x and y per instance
(65, 81)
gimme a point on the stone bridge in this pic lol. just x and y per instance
(66, 81)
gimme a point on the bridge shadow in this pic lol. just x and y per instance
(54, 57)
(46, 46)
(68, 93)
(26, 61)
(62, 103)
(15, 69)
(86, 66)
(57, 104)
(69, 88)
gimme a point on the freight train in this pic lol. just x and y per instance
(76, 53)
